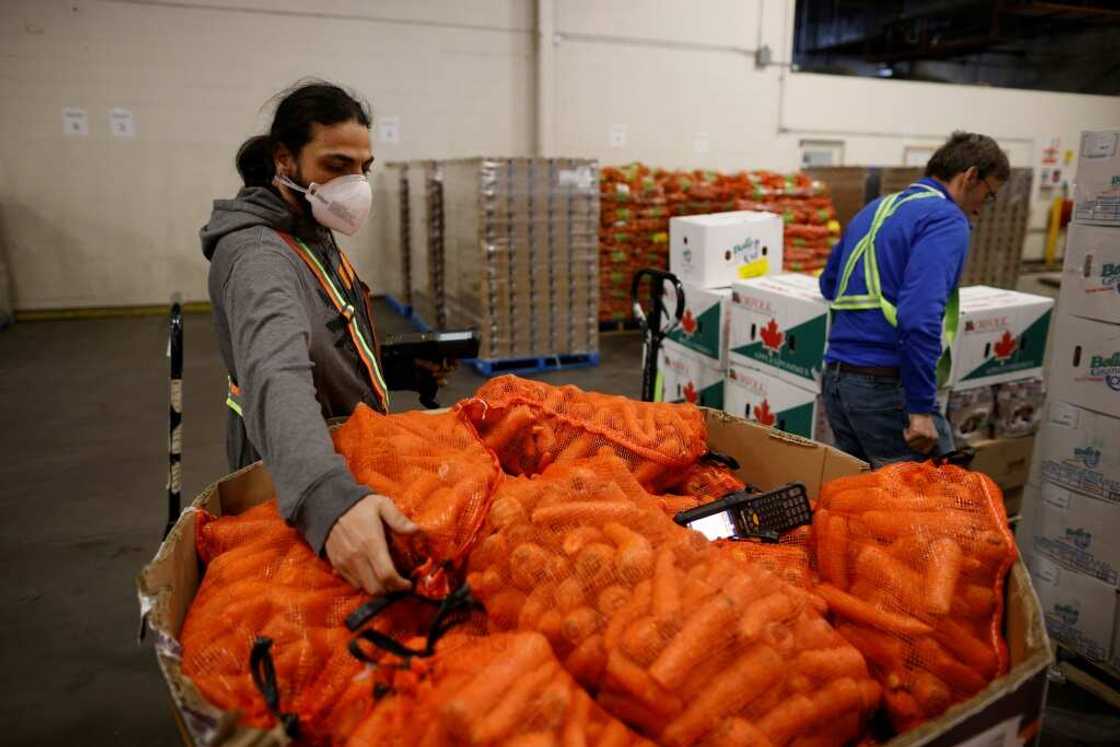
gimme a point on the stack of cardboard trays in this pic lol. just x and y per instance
(1071, 513)
(707, 254)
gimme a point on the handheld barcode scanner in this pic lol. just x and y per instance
(399, 354)
(750, 515)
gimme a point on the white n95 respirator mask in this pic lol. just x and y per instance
(342, 204)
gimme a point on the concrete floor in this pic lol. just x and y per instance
(82, 488)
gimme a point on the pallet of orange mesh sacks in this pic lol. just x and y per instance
(1007, 709)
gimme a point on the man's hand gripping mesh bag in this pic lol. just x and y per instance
(913, 559)
(675, 637)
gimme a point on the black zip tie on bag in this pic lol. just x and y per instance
(460, 600)
(264, 677)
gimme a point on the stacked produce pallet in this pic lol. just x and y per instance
(1071, 508)
(638, 201)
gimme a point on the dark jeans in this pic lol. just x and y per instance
(867, 415)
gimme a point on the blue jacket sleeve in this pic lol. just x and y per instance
(932, 271)
(830, 278)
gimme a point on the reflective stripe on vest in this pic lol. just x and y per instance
(874, 298)
(345, 309)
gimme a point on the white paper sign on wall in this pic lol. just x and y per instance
(616, 136)
(122, 123)
(700, 142)
(75, 122)
(389, 130)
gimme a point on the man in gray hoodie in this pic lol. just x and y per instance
(294, 325)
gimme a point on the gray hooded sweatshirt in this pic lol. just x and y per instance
(287, 348)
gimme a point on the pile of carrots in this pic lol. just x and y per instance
(912, 561)
(676, 638)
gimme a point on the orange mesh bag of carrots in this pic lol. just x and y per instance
(437, 472)
(702, 483)
(913, 559)
(531, 425)
(674, 637)
(266, 595)
(505, 689)
(789, 559)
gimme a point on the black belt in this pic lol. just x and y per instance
(879, 372)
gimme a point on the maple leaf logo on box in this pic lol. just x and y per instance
(690, 394)
(763, 415)
(1005, 347)
(688, 323)
(772, 337)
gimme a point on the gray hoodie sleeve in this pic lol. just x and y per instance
(270, 331)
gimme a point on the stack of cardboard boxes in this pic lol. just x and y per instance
(707, 254)
(1071, 515)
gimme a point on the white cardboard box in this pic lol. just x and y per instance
(756, 395)
(1085, 368)
(1096, 190)
(706, 322)
(713, 251)
(1091, 273)
(1001, 336)
(1080, 450)
(779, 324)
(1080, 610)
(1077, 531)
(688, 376)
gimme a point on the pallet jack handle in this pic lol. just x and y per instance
(652, 333)
(175, 414)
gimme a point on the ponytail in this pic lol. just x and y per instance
(255, 161)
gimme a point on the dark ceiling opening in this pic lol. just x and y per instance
(1054, 46)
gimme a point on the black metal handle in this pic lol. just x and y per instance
(651, 323)
(175, 415)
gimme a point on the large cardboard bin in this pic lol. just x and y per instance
(1008, 712)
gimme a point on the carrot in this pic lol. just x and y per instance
(836, 734)
(885, 651)
(789, 719)
(594, 565)
(973, 600)
(666, 586)
(532, 739)
(615, 735)
(505, 511)
(585, 513)
(550, 707)
(812, 632)
(861, 482)
(579, 538)
(737, 732)
(497, 722)
(728, 694)
(491, 551)
(551, 626)
(624, 675)
(525, 653)
(544, 438)
(637, 606)
(528, 565)
(832, 549)
(569, 594)
(540, 600)
(799, 683)
(579, 624)
(992, 549)
(902, 709)
(574, 733)
(831, 664)
(884, 572)
(931, 694)
(504, 609)
(895, 524)
(779, 637)
(871, 693)
(958, 640)
(941, 575)
(773, 607)
(612, 599)
(852, 608)
(508, 428)
(704, 633)
(624, 707)
(577, 448)
(836, 699)
(642, 641)
(961, 678)
(588, 661)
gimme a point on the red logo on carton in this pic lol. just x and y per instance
(688, 322)
(763, 415)
(690, 394)
(1006, 346)
(772, 337)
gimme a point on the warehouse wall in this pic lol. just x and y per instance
(101, 220)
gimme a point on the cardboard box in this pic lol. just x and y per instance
(1077, 531)
(1020, 406)
(970, 413)
(1001, 336)
(1091, 273)
(755, 395)
(1080, 611)
(1096, 190)
(1079, 450)
(688, 376)
(1012, 704)
(1006, 460)
(780, 325)
(713, 251)
(706, 321)
(1085, 368)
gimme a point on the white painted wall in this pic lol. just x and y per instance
(105, 221)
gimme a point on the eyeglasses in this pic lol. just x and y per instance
(991, 196)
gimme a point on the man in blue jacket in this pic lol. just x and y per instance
(892, 280)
